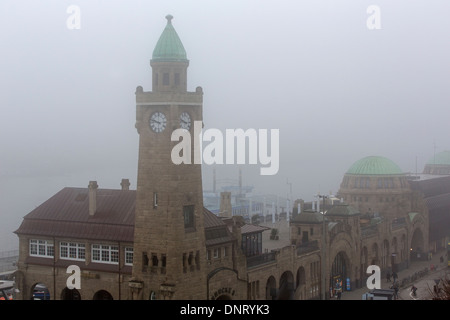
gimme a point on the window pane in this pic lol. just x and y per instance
(105, 255)
(81, 253)
(33, 247)
(50, 251)
(64, 252)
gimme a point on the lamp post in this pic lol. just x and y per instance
(323, 263)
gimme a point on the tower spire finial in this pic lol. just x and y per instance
(169, 18)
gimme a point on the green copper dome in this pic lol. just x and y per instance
(169, 46)
(442, 158)
(374, 165)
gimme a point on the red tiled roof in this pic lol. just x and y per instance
(66, 215)
(72, 204)
(251, 228)
(210, 220)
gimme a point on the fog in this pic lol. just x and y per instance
(336, 90)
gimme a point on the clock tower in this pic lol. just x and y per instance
(169, 254)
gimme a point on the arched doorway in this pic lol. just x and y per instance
(374, 260)
(385, 254)
(70, 294)
(271, 288)
(39, 291)
(394, 255)
(300, 291)
(340, 271)
(417, 246)
(286, 289)
(102, 295)
(364, 264)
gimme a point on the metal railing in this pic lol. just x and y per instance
(308, 247)
(260, 259)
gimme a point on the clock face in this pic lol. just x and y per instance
(185, 121)
(158, 122)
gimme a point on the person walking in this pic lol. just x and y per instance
(413, 290)
(395, 286)
(388, 277)
(394, 276)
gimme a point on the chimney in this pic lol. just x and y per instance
(225, 205)
(92, 197)
(125, 184)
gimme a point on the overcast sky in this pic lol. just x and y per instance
(335, 89)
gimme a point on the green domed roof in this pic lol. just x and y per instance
(169, 46)
(374, 165)
(442, 158)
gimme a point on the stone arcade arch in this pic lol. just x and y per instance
(271, 288)
(364, 263)
(417, 249)
(39, 291)
(385, 254)
(286, 289)
(395, 259)
(300, 284)
(374, 260)
(70, 294)
(340, 271)
(102, 295)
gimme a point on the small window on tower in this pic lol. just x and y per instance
(188, 213)
(154, 260)
(165, 79)
(155, 200)
(177, 79)
(145, 261)
(197, 259)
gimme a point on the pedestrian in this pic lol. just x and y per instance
(339, 293)
(388, 277)
(395, 287)
(413, 290)
(394, 276)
